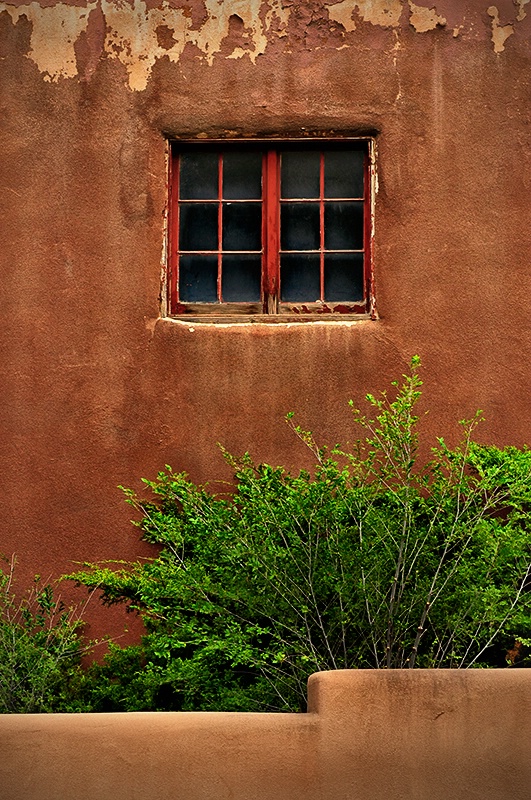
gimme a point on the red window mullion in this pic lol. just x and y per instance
(220, 225)
(321, 226)
(271, 272)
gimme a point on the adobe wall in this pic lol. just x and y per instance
(96, 387)
(369, 735)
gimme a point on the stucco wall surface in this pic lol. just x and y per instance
(369, 735)
(97, 387)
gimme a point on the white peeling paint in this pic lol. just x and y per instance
(239, 52)
(342, 13)
(131, 29)
(380, 12)
(132, 32)
(210, 36)
(216, 28)
(385, 13)
(522, 14)
(132, 37)
(424, 19)
(55, 29)
(500, 33)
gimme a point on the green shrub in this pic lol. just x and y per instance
(40, 649)
(372, 560)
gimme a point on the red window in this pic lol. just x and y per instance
(270, 229)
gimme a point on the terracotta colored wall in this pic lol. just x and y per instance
(369, 735)
(96, 387)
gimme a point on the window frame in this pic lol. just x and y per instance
(270, 308)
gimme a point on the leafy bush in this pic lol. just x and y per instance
(373, 560)
(40, 649)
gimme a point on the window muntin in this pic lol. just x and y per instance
(271, 228)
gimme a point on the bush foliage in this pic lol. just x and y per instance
(372, 560)
(40, 649)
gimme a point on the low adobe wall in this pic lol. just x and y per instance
(372, 735)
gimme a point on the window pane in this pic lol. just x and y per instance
(198, 226)
(242, 226)
(240, 280)
(299, 174)
(344, 173)
(198, 176)
(198, 279)
(343, 278)
(344, 226)
(299, 278)
(242, 176)
(299, 226)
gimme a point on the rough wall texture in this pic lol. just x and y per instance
(97, 388)
(406, 735)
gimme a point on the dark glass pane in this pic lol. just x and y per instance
(198, 176)
(299, 174)
(240, 280)
(344, 173)
(242, 176)
(343, 277)
(198, 226)
(299, 226)
(343, 224)
(299, 278)
(198, 279)
(242, 226)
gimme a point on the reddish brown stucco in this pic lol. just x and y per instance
(369, 735)
(97, 388)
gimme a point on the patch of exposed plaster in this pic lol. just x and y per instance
(55, 30)
(385, 13)
(138, 35)
(239, 52)
(521, 13)
(140, 32)
(132, 32)
(209, 37)
(500, 33)
(342, 13)
(380, 12)
(424, 19)
(216, 28)
(133, 39)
